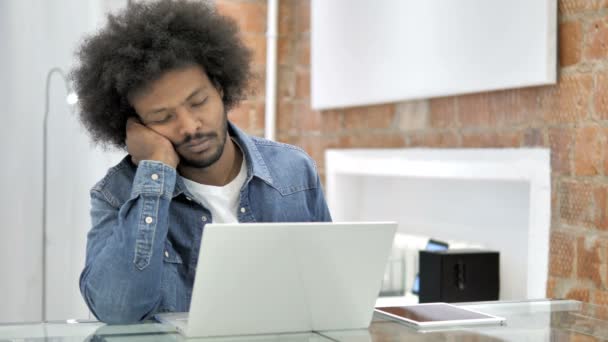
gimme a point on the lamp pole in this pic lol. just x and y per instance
(45, 122)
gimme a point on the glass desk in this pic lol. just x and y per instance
(539, 320)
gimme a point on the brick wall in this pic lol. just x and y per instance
(571, 118)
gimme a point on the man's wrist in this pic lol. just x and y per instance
(167, 160)
(154, 177)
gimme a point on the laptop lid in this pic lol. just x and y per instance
(262, 278)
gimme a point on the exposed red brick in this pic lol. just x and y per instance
(561, 254)
(302, 83)
(588, 151)
(434, 139)
(596, 46)
(302, 16)
(443, 112)
(285, 51)
(249, 15)
(412, 115)
(600, 298)
(288, 138)
(331, 120)
(259, 117)
(248, 115)
(601, 96)
(572, 6)
(605, 154)
(307, 119)
(315, 146)
(584, 204)
(577, 203)
(515, 106)
(551, 283)
(492, 139)
(285, 116)
(257, 43)
(570, 43)
(369, 117)
(287, 84)
(581, 294)
(579, 337)
(507, 107)
(568, 101)
(555, 222)
(372, 140)
(588, 261)
(534, 137)
(303, 51)
(560, 141)
(257, 86)
(240, 116)
(601, 207)
(577, 6)
(287, 20)
(474, 111)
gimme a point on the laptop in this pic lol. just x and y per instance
(271, 278)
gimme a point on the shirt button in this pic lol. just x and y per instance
(166, 254)
(204, 218)
(148, 220)
(243, 210)
(154, 176)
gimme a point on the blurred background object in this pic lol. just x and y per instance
(35, 37)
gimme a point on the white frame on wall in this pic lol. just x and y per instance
(369, 52)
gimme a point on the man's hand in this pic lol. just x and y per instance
(145, 144)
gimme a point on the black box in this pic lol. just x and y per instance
(463, 275)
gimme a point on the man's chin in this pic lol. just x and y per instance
(199, 162)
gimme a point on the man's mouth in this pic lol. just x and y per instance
(198, 145)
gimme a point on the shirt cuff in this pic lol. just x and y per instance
(154, 178)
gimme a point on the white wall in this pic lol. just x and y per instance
(36, 35)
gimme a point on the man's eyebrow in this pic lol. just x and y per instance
(195, 92)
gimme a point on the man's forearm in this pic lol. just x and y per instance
(121, 280)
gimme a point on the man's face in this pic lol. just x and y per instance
(184, 106)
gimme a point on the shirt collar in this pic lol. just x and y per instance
(256, 166)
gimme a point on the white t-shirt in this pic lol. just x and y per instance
(222, 201)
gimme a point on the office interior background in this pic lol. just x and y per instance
(569, 119)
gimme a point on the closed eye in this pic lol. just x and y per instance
(164, 119)
(200, 103)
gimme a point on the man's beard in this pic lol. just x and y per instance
(206, 162)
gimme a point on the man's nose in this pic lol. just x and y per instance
(188, 123)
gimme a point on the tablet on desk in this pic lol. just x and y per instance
(436, 315)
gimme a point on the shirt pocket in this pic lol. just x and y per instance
(170, 255)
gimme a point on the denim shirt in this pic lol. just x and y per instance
(143, 246)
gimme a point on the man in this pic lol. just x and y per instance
(159, 80)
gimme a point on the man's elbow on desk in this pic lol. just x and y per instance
(112, 308)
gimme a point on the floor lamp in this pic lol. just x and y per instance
(71, 99)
